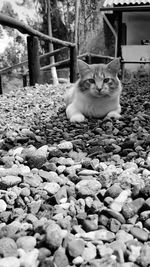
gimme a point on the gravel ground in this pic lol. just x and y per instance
(74, 194)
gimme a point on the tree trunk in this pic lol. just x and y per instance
(51, 48)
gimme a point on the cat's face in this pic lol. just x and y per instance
(99, 79)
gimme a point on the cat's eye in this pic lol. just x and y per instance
(106, 80)
(91, 80)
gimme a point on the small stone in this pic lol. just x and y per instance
(134, 253)
(88, 172)
(49, 166)
(61, 169)
(5, 216)
(147, 224)
(24, 170)
(109, 261)
(49, 176)
(104, 250)
(25, 192)
(118, 244)
(89, 252)
(52, 188)
(145, 256)
(145, 191)
(66, 145)
(43, 253)
(60, 258)
(36, 161)
(27, 243)
(76, 247)
(140, 234)
(33, 180)
(114, 225)
(119, 201)
(147, 203)
(8, 247)
(113, 191)
(61, 195)
(88, 187)
(132, 208)
(101, 234)
(89, 225)
(123, 236)
(9, 181)
(17, 151)
(114, 214)
(29, 258)
(3, 205)
(78, 260)
(42, 151)
(108, 201)
(53, 235)
(103, 220)
(9, 262)
(47, 263)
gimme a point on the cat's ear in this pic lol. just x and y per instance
(83, 67)
(114, 66)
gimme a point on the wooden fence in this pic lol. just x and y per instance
(33, 61)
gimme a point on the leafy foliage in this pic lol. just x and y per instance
(8, 10)
(15, 52)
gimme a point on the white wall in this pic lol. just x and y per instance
(138, 26)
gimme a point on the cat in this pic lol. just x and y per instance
(97, 92)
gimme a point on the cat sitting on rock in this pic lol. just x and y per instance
(97, 92)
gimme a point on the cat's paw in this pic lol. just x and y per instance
(77, 118)
(114, 114)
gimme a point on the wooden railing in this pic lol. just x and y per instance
(33, 61)
(33, 49)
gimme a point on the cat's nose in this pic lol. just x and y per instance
(98, 89)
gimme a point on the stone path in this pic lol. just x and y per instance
(76, 194)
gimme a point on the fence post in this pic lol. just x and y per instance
(1, 89)
(73, 64)
(89, 59)
(33, 60)
(24, 78)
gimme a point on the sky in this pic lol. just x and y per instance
(22, 12)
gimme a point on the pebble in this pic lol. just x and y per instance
(60, 258)
(65, 146)
(53, 235)
(89, 252)
(76, 247)
(8, 247)
(3, 205)
(9, 262)
(27, 243)
(88, 187)
(9, 181)
(102, 234)
(119, 201)
(28, 259)
(52, 188)
(144, 255)
(88, 172)
(140, 234)
(132, 208)
(113, 191)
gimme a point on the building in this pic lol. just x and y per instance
(129, 23)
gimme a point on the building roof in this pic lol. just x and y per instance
(127, 2)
